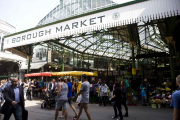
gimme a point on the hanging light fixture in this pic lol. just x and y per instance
(49, 66)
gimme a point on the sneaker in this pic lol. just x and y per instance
(114, 117)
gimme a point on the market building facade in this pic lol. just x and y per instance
(9, 63)
(139, 36)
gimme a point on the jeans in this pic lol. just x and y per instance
(91, 98)
(31, 94)
(35, 92)
(25, 94)
(125, 105)
(17, 111)
(117, 106)
(147, 98)
(143, 100)
(103, 99)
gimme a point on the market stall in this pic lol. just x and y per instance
(161, 96)
(38, 74)
(74, 73)
(56, 74)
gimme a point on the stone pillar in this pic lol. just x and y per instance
(171, 60)
(132, 43)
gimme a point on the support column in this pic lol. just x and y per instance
(177, 54)
(88, 63)
(138, 63)
(77, 61)
(73, 58)
(63, 59)
(107, 67)
(81, 61)
(29, 60)
(58, 54)
(133, 60)
(171, 61)
(1, 40)
(42, 70)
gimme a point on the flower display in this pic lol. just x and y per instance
(158, 101)
(153, 101)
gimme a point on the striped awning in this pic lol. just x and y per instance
(38, 74)
(74, 73)
(67, 73)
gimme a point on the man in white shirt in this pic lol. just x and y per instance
(85, 89)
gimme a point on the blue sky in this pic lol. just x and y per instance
(25, 14)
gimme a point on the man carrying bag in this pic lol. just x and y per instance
(14, 101)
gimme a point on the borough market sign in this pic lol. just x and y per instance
(123, 14)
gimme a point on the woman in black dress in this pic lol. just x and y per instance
(117, 98)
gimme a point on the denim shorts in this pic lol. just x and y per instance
(62, 103)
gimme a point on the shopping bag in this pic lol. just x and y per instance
(79, 99)
(24, 114)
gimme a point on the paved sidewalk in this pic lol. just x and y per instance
(99, 113)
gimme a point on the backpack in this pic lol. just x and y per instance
(92, 90)
(104, 89)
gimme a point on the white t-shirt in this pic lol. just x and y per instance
(85, 87)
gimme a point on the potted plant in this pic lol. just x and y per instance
(129, 102)
(153, 103)
(159, 102)
(134, 102)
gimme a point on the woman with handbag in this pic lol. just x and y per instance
(117, 98)
(103, 93)
(124, 96)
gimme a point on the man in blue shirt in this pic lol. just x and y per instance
(175, 102)
(70, 96)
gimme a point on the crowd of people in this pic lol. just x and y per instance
(68, 89)
(15, 92)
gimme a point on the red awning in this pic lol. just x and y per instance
(38, 74)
